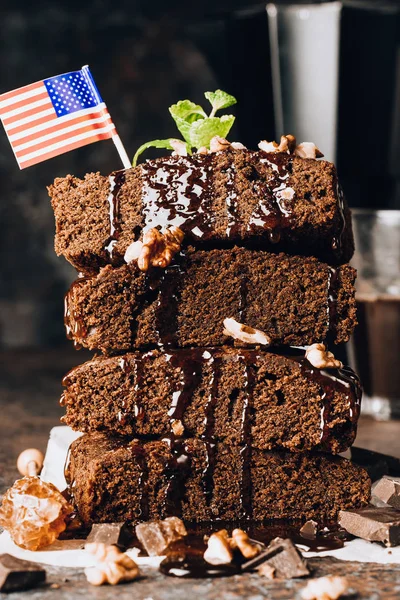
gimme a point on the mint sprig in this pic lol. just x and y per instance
(196, 128)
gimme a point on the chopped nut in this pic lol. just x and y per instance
(248, 548)
(266, 571)
(203, 150)
(287, 144)
(218, 550)
(325, 588)
(246, 334)
(286, 194)
(219, 143)
(238, 146)
(133, 251)
(177, 427)
(321, 358)
(268, 146)
(180, 147)
(157, 249)
(307, 150)
(113, 566)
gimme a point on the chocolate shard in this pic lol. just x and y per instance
(309, 530)
(387, 490)
(373, 524)
(156, 536)
(283, 556)
(17, 574)
(111, 533)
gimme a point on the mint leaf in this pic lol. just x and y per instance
(184, 114)
(219, 100)
(201, 132)
(187, 110)
(153, 144)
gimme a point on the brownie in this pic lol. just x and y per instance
(294, 300)
(115, 480)
(276, 202)
(286, 402)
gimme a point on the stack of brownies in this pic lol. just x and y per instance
(210, 282)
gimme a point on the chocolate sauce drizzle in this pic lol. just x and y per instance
(73, 322)
(336, 243)
(344, 380)
(273, 211)
(176, 191)
(117, 180)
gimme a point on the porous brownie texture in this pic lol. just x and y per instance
(114, 480)
(295, 300)
(287, 403)
(276, 202)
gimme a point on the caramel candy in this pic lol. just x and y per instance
(34, 513)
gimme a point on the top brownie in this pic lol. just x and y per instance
(272, 201)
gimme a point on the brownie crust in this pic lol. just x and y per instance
(113, 480)
(275, 202)
(295, 300)
(288, 403)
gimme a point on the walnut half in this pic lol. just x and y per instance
(321, 358)
(157, 249)
(113, 566)
(244, 333)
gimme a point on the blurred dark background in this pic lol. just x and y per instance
(145, 56)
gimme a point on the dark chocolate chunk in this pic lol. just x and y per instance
(111, 533)
(387, 490)
(283, 556)
(156, 536)
(17, 574)
(373, 524)
(309, 530)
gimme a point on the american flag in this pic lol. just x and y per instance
(53, 116)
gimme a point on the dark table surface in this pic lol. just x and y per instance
(29, 391)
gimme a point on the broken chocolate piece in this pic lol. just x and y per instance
(283, 556)
(156, 536)
(309, 530)
(387, 490)
(17, 574)
(373, 524)
(117, 534)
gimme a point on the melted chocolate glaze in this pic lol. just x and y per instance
(178, 194)
(78, 328)
(117, 179)
(140, 457)
(185, 558)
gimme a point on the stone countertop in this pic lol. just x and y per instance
(29, 391)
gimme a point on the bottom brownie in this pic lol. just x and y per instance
(115, 480)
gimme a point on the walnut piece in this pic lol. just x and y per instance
(308, 150)
(288, 145)
(219, 550)
(325, 588)
(113, 566)
(219, 143)
(180, 147)
(238, 146)
(321, 358)
(247, 547)
(177, 427)
(246, 334)
(157, 249)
